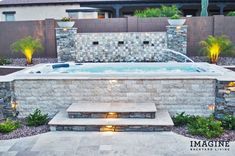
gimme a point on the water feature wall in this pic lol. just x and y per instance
(119, 47)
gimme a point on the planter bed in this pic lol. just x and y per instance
(228, 135)
(223, 61)
(24, 131)
(21, 61)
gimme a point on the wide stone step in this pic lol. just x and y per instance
(162, 122)
(112, 110)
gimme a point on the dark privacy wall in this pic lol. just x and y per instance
(198, 29)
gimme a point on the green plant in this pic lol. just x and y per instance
(163, 11)
(169, 11)
(4, 61)
(231, 13)
(66, 19)
(28, 46)
(207, 127)
(9, 126)
(175, 17)
(37, 118)
(183, 119)
(228, 122)
(150, 12)
(214, 46)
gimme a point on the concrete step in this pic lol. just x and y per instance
(112, 110)
(162, 122)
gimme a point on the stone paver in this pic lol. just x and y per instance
(112, 107)
(105, 144)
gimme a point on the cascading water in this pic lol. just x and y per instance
(167, 55)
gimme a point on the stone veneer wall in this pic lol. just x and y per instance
(6, 93)
(177, 38)
(225, 99)
(119, 47)
(190, 96)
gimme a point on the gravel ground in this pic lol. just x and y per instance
(24, 131)
(21, 61)
(226, 61)
(226, 136)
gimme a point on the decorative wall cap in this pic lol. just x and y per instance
(173, 26)
(66, 28)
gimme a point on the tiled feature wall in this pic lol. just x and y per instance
(190, 95)
(118, 47)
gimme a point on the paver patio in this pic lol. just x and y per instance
(105, 144)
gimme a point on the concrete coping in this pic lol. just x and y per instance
(14, 67)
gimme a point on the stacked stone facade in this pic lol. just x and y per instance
(51, 96)
(225, 98)
(177, 38)
(6, 95)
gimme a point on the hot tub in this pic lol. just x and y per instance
(177, 87)
(120, 69)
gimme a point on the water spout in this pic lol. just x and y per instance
(169, 53)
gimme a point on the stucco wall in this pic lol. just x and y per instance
(190, 96)
(43, 12)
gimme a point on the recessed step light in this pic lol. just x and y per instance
(107, 128)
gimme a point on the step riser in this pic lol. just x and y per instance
(89, 128)
(147, 115)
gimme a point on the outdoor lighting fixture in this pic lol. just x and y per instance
(107, 128)
(211, 107)
(111, 115)
(214, 52)
(65, 29)
(14, 105)
(113, 82)
(178, 27)
(231, 84)
(231, 87)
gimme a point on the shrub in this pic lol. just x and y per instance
(207, 127)
(231, 13)
(169, 11)
(163, 11)
(150, 12)
(228, 122)
(4, 61)
(9, 126)
(28, 46)
(183, 119)
(37, 118)
(214, 46)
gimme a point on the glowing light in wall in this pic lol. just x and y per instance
(211, 107)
